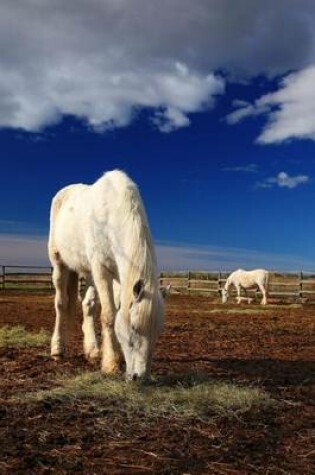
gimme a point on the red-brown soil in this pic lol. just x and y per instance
(272, 350)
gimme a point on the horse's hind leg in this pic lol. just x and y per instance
(111, 353)
(60, 279)
(264, 294)
(91, 349)
(238, 298)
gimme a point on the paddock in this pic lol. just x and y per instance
(269, 349)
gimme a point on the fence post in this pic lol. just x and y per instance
(188, 283)
(219, 283)
(301, 285)
(3, 277)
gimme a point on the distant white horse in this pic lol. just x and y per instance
(100, 231)
(242, 279)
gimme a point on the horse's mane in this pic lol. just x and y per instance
(139, 255)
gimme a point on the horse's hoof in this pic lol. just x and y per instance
(93, 354)
(112, 369)
(143, 380)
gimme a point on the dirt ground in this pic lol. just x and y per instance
(272, 349)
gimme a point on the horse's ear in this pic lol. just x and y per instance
(138, 290)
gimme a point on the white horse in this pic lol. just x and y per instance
(242, 279)
(100, 231)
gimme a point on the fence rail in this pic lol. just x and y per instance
(13, 277)
(290, 285)
(296, 286)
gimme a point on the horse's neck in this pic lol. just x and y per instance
(141, 266)
(134, 251)
(227, 285)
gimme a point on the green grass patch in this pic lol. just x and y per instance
(185, 396)
(18, 337)
(241, 310)
(257, 310)
(28, 287)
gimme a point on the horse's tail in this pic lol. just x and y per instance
(72, 289)
(267, 281)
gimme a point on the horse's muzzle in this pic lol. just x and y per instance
(134, 377)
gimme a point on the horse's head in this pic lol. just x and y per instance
(224, 295)
(165, 291)
(138, 331)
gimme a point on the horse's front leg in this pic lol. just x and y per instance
(89, 304)
(248, 299)
(60, 279)
(111, 352)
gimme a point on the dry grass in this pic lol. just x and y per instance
(17, 337)
(183, 396)
(242, 310)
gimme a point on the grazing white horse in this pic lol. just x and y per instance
(101, 232)
(242, 279)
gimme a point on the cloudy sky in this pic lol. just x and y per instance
(209, 105)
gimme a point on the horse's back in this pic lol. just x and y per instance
(260, 274)
(126, 218)
(62, 196)
(97, 200)
(118, 193)
(249, 278)
(117, 178)
(96, 222)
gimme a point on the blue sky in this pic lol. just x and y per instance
(208, 106)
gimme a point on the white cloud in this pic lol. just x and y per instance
(283, 180)
(103, 60)
(212, 258)
(246, 110)
(170, 119)
(290, 110)
(294, 116)
(248, 168)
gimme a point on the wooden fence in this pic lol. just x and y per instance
(25, 278)
(293, 286)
